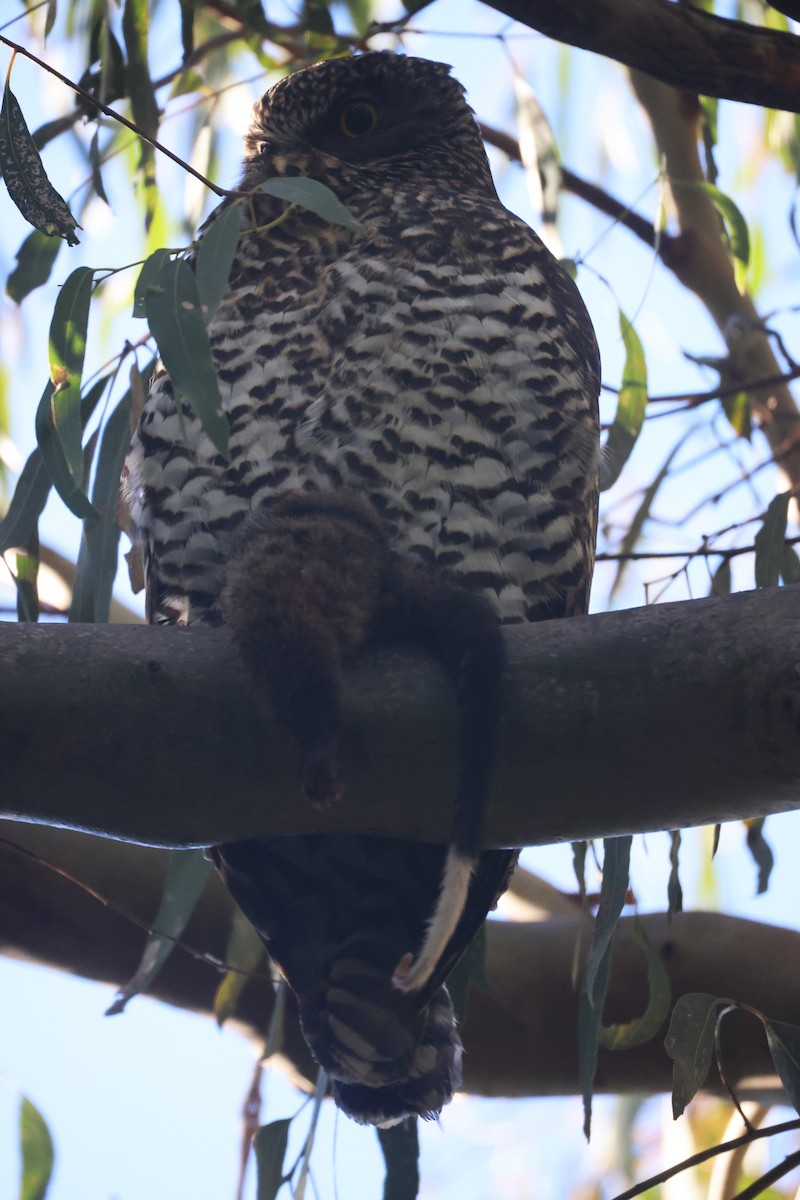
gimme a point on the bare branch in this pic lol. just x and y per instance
(679, 44)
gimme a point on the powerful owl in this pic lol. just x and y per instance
(412, 407)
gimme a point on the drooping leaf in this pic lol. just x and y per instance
(613, 893)
(590, 1018)
(759, 848)
(709, 108)
(739, 411)
(185, 881)
(579, 852)
(30, 497)
(674, 889)
(631, 405)
(784, 1046)
(94, 163)
(400, 1146)
(721, 579)
(269, 1147)
(313, 195)
(188, 9)
(97, 559)
(25, 176)
(770, 541)
(243, 953)
(215, 258)
(35, 259)
(140, 89)
(790, 565)
(147, 276)
(539, 155)
(172, 304)
(659, 996)
(734, 222)
(50, 18)
(70, 489)
(26, 579)
(690, 1044)
(38, 1155)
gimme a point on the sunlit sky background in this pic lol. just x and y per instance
(147, 1104)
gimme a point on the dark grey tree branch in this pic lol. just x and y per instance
(520, 1042)
(657, 718)
(677, 43)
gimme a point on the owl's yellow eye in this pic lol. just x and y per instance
(358, 117)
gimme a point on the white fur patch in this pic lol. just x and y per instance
(412, 974)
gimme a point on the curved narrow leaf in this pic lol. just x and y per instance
(790, 565)
(690, 1044)
(589, 1020)
(613, 893)
(25, 176)
(674, 889)
(139, 83)
(35, 259)
(30, 497)
(26, 580)
(784, 1046)
(539, 155)
(313, 195)
(147, 276)
(172, 304)
(215, 256)
(659, 995)
(269, 1147)
(758, 846)
(770, 541)
(721, 579)
(38, 1155)
(400, 1146)
(66, 352)
(59, 471)
(243, 953)
(631, 405)
(186, 878)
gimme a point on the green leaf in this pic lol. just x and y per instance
(313, 195)
(579, 852)
(790, 565)
(172, 304)
(739, 412)
(185, 881)
(50, 19)
(147, 277)
(187, 27)
(37, 1151)
(70, 490)
(243, 953)
(659, 996)
(25, 176)
(613, 893)
(30, 497)
(400, 1146)
(631, 405)
(215, 256)
(770, 541)
(784, 1046)
(144, 105)
(759, 848)
(35, 259)
(94, 163)
(690, 1044)
(26, 581)
(97, 559)
(674, 889)
(269, 1147)
(721, 579)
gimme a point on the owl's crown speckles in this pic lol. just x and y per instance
(416, 105)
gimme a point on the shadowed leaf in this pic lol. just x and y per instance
(690, 1044)
(25, 176)
(759, 848)
(784, 1046)
(770, 542)
(35, 259)
(400, 1146)
(172, 305)
(243, 953)
(215, 258)
(659, 996)
(315, 196)
(186, 878)
(269, 1147)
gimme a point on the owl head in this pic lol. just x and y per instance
(378, 112)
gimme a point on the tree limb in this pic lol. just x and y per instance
(662, 717)
(676, 43)
(520, 1042)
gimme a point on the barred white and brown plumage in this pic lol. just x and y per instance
(440, 365)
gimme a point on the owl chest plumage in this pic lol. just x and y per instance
(421, 363)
